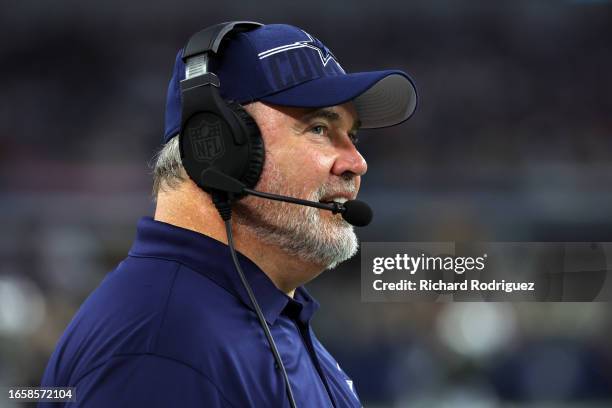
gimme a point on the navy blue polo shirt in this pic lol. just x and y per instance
(173, 326)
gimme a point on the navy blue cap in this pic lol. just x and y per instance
(284, 65)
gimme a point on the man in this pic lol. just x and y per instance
(172, 325)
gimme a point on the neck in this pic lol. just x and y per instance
(190, 208)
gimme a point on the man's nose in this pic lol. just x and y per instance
(349, 160)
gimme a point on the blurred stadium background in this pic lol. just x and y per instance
(512, 141)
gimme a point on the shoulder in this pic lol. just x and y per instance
(147, 380)
(202, 320)
(144, 306)
(183, 312)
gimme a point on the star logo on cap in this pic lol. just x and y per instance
(324, 53)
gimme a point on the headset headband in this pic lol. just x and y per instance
(218, 137)
(210, 38)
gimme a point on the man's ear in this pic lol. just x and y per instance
(252, 108)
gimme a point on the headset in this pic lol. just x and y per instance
(220, 142)
(221, 146)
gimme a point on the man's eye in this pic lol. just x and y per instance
(318, 129)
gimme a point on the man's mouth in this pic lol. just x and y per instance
(336, 199)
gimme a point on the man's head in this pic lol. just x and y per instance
(308, 111)
(310, 154)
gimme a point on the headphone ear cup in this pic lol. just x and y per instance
(257, 152)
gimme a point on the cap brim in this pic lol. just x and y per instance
(381, 98)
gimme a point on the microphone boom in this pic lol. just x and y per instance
(355, 212)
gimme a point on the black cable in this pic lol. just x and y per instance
(226, 215)
(334, 207)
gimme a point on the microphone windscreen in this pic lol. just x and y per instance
(357, 213)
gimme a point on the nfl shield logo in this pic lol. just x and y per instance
(206, 140)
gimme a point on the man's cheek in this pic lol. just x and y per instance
(313, 170)
(324, 162)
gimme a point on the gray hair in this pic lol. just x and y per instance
(168, 171)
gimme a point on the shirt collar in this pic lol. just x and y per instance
(212, 259)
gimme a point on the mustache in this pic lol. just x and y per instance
(336, 188)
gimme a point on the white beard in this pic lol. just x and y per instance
(298, 230)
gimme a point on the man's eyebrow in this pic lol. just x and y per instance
(328, 114)
(321, 113)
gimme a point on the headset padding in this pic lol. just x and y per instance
(257, 149)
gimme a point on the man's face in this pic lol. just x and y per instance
(310, 154)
